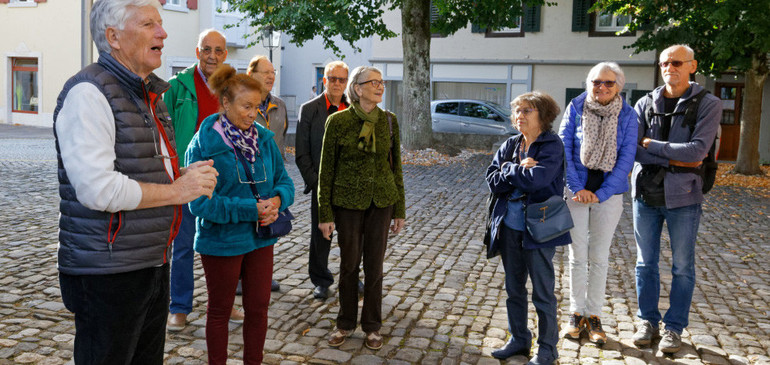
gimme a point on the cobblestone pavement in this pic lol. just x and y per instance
(443, 300)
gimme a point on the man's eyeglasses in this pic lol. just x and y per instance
(525, 111)
(375, 83)
(267, 72)
(609, 84)
(217, 51)
(665, 64)
(339, 80)
(253, 173)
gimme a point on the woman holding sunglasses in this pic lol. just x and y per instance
(599, 133)
(360, 191)
(246, 157)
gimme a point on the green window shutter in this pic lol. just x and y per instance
(531, 21)
(581, 20)
(571, 94)
(475, 28)
(636, 95)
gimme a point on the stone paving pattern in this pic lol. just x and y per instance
(444, 302)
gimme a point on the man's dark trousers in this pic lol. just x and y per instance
(119, 318)
(318, 262)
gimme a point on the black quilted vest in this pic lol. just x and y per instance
(95, 242)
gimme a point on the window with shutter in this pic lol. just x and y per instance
(597, 25)
(571, 94)
(636, 95)
(580, 17)
(532, 18)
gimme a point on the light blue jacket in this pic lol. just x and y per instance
(226, 223)
(571, 133)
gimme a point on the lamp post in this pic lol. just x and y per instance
(270, 39)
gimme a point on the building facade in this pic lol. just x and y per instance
(37, 60)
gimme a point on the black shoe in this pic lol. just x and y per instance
(510, 349)
(274, 286)
(360, 287)
(321, 292)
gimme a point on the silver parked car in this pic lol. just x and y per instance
(471, 117)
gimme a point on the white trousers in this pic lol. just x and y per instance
(589, 252)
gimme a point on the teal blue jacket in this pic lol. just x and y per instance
(225, 224)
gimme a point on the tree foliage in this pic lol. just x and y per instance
(353, 20)
(726, 35)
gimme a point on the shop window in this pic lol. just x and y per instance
(24, 86)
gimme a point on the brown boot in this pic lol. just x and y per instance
(595, 332)
(176, 322)
(577, 324)
(236, 315)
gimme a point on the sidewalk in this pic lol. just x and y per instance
(444, 302)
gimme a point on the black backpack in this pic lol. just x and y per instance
(707, 170)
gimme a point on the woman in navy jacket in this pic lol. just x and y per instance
(599, 133)
(527, 168)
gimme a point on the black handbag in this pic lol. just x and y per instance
(282, 225)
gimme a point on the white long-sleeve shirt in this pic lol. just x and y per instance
(85, 129)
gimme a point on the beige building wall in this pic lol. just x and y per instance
(51, 32)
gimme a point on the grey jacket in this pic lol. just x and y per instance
(681, 188)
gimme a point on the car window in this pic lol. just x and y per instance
(448, 108)
(477, 111)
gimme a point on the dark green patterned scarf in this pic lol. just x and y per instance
(366, 137)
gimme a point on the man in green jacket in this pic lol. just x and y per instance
(189, 101)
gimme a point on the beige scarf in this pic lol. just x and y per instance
(600, 125)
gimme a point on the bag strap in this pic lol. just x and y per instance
(239, 157)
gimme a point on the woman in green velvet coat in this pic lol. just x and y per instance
(360, 191)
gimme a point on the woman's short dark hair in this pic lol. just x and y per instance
(226, 82)
(546, 107)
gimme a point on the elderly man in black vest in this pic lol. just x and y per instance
(310, 135)
(121, 189)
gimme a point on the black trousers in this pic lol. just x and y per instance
(318, 262)
(119, 318)
(361, 233)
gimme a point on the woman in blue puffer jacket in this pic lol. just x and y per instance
(599, 133)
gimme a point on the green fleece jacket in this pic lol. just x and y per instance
(354, 179)
(182, 104)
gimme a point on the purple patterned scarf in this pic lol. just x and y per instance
(246, 141)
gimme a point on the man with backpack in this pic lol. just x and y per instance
(678, 125)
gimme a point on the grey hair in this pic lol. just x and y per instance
(113, 13)
(357, 76)
(687, 48)
(620, 77)
(206, 32)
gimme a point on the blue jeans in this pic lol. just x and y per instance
(183, 258)
(538, 265)
(682, 226)
(120, 319)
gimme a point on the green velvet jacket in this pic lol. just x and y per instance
(353, 179)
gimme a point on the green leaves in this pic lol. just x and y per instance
(725, 34)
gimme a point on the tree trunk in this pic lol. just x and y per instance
(416, 130)
(748, 149)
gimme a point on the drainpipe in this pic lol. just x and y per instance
(86, 50)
